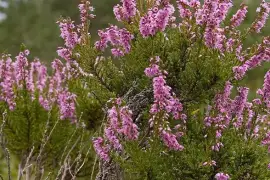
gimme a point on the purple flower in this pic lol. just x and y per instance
(170, 141)
(129, 129)
(156, 20)
(7, 82)
(66, 103)
(68, 33)
(126, 11)
(101, 150)
(222, 176)
(183, 8)
(263, 11)
(239, 17)
(119, 38)
(110, 135)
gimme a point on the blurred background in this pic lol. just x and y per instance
(32, 22)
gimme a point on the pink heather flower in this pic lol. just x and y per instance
(239, 71)
(64, 53)
(126, 11)
(170, 141)
(129, 129)
(265, 91)
(217, 146)
(239, 104)
(85, 12)
(119, 38)
(66, 103)
(238, 53)
(257, 59)
(7, 82)
(166, 103)
(153, 70)
(112, 138)
(263, 55)
(45, 103)
(20, 68)
(120, 125)
(266, 140)
(240, 100)
(239, 17)
(37, 77)
(68, 33)
(214, 37)
(222, 176)
(163, 100)
(101, 150)
(156, 20)
(212, 13)
(263, 11)
(210, 163)
(223, 101)
(183, 8)
(58, 77)
(113, 118)
(117, 52)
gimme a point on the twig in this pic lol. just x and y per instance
(26, 166)
(45, 139)
(5, 149)
(69, 141)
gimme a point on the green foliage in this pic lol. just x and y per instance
(241, 159)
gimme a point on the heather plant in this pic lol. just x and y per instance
(157, 97)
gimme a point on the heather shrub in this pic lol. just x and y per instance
(157, 97)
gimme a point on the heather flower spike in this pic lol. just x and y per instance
(164, 103)
(119, 127)
(125, 12)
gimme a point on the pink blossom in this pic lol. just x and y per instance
(118, 38)
(222, 176)
(110, 135)
(170, 141)
(66, 102)
(129, 129)
(156, 20)
(126, 11)
(69, 33)
(239, 17)
(263, 11)
(101, 149)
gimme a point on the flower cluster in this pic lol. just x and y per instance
(75, 34)
(261, 55)
(164, 104)
(263, 13)
(265, 91)
(212, 14)
(33, 77)
(184, 5)
(222, 176)
(239, 17)
(126, 11)
(156, 20)
(69, 33)
(101, 149)
(120, 39)
(85, 12)
(119, 125)
(230, 111)
(7, 82)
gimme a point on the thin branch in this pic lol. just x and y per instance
(5, 149)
